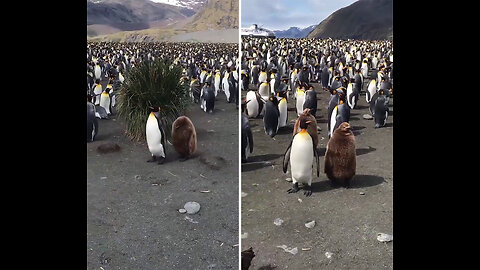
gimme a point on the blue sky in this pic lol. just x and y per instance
(283, 14)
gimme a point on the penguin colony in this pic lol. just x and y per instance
(211, 70)
(275, 72)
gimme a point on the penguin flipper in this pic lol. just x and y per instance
(286, 157)
(164, 139)
(250, 139)
(315, 154)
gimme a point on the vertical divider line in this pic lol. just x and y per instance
(239, 136)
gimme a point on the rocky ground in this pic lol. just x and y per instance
(347, 221)
(133, 220)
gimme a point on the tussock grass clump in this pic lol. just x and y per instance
(156, 84)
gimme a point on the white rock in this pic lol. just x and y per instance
(244, 235)
(192, 207)
(367, 116)
(310, 224)
(383, 237)
(278, 221)
(244, 194)
(183, 211)
(289, 250)
(328, 254)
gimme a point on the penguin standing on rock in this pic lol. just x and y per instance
(340, 156)
(184, 137)
(300, 154)
(155, 134)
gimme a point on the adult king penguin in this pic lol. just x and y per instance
(300, 154)
(247, 136)
(92, 122)
(271, 116)
(380, 111)
(254, 103)
(340, 114)
(282, 106)
(310, 100)
(155, 134)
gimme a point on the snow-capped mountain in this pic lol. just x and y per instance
(190, 4)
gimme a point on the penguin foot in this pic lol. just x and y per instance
(153, 159)
(294, 189)
(308, 191)
(161, 160)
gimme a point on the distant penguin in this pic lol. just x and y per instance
(340, 114)
(208, 98)
(155, 135)
(98, 72)
(247, 138)
(271, 116)
(372, 89)
(336, 83)
(324, 77)
(312, 128)
(254, 75)
(97, 91)
(92, 122)
(340, 156)
(105, 101)
(245, 79)
(332, 103)
(247, 257)
(364, 68)
(264, 90)
(282, 108)
(184, 137)
(381, 110)
(300, 154)
(120, 77)
(254, 104)
(310, 100)
(262, 77)
(300, 98)
(227, 86)
(352, 94)
(217, 82)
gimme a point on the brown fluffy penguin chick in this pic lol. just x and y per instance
(247, 256)
(184, 137)
(312, 126)
(340, 156)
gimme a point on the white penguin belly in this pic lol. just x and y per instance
(349, 92)
(301, 158)
(226, 88)
(300, 100)
(282, 107)
(98, 72)
(154, 137)
(252, 105)
(105, 102)
(262, 77)
(264, 91)
(372, 89)
(217, 85)
(333, 120)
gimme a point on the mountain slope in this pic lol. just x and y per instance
(364, 19)
(294, 32)
(216, 15)
(132, 14)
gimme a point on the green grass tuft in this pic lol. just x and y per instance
(155, 84)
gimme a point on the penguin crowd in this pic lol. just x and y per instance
(210, 70)
(276, 72)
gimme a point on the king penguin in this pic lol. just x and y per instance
(155, 134)
(271, 116)
(352, 94)
(254, 104)
(300, 98)
(371, 90)
(340, 114)
(264, 90)
(247, 137)
(92, 122)
(97, 91)
(105, 101)
(282, 107)
(310, 100)
(300, 154)
(380, 111)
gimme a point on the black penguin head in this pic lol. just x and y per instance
(89, 98)
(154, 109)
(304, 122)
